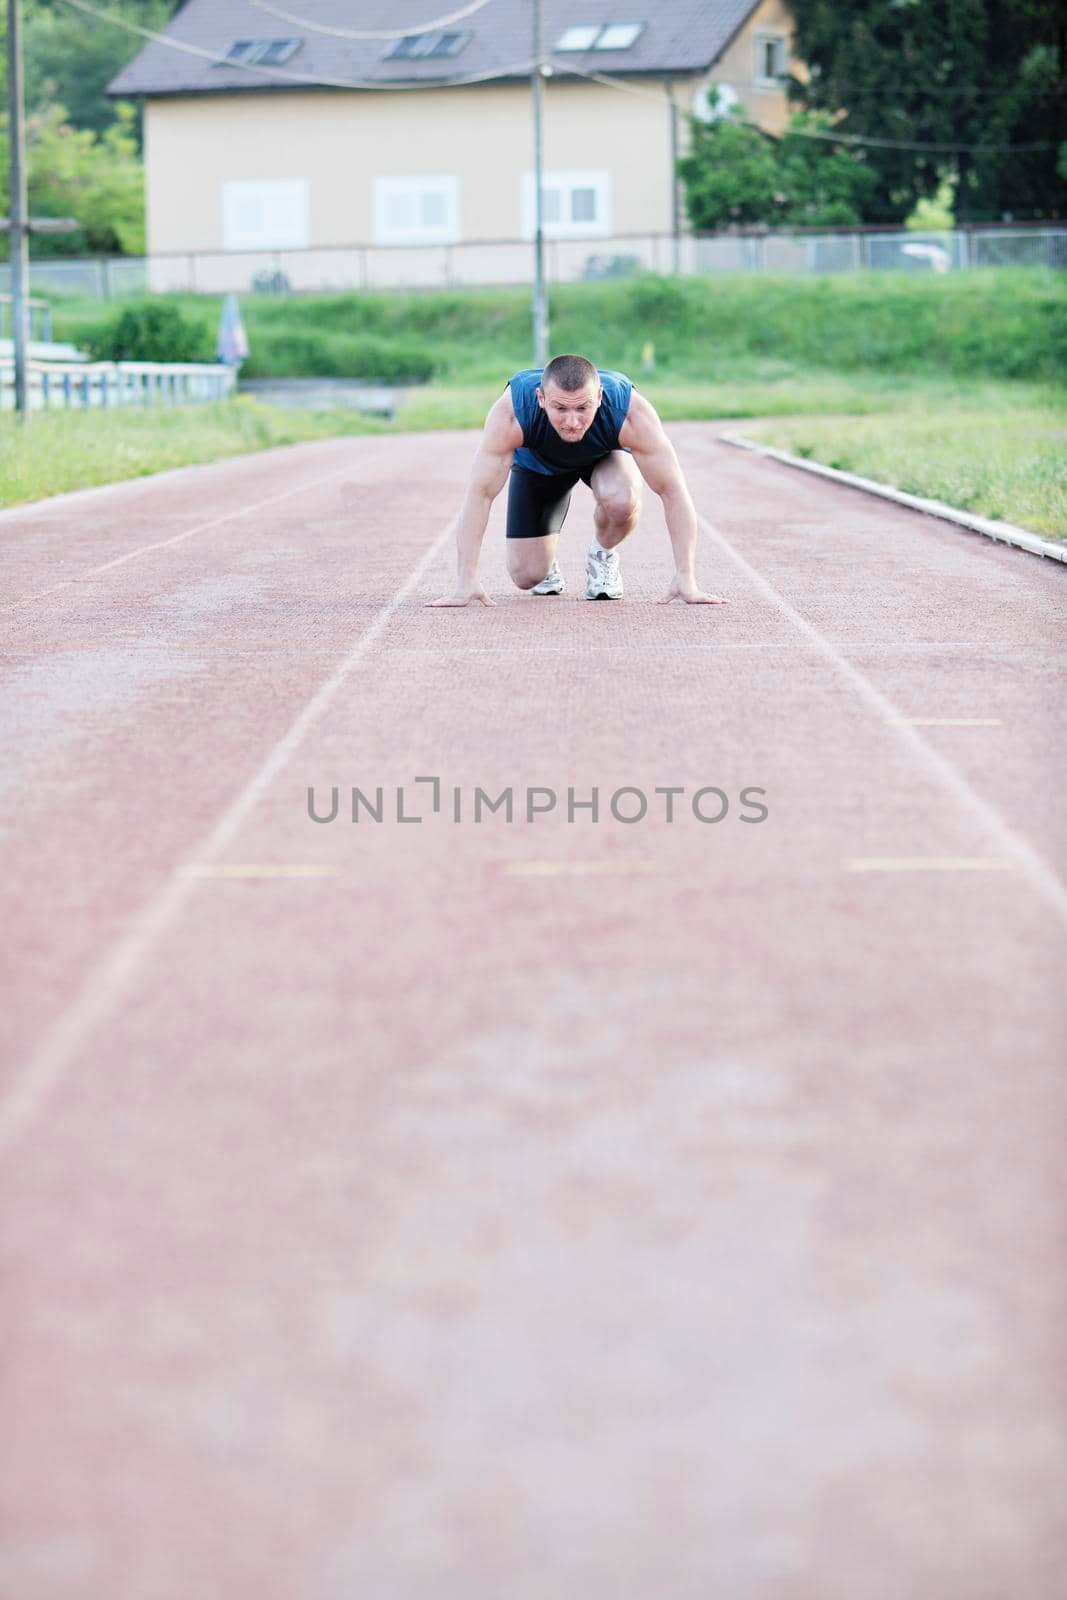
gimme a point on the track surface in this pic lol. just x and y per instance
(447, 1211)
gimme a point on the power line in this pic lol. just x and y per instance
(519, 69)
(352, 33)
(516, 70)
(811, 133)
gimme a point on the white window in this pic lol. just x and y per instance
(600, 36)
(573, 204)
(271, 214)
(272, 52)
(414, 45)
(619, 35)
(772, 57)
(416, 210)
(578, 38)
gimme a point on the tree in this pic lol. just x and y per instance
(944, 72)
(70, 58)
(98, 182)
(823, 185)
(736, 173)
(729, 173)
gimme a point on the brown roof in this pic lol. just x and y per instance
(678, 36)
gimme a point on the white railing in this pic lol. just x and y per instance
(102, 384)
(39, 317)
(510, 261)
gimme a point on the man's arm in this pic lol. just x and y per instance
(642, 434)
(500, 440)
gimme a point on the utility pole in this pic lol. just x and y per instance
(19, 246)
(676, 219)
(540, 309)
(20, 224)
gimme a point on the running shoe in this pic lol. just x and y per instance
(551, 583)
(603, 576)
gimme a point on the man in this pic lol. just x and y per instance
(547, 430)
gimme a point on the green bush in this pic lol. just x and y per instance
(991, 324)
(311, 353)
(152, 330)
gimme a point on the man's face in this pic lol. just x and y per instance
(570, 411)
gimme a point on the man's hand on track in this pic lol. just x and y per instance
(463, 597)
(683, 589)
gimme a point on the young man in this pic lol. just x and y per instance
(547, 430)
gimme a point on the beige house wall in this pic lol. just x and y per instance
(737, 68)
(339, 144)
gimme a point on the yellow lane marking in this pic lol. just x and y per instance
(241, 869)
(576, 869)
(955, 722)
(928, 864)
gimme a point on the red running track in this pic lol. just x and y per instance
(452, 1210)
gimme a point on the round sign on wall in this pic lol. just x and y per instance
(724, 99)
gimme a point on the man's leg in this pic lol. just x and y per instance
(537, 506)
(530, 559)
(616, 483)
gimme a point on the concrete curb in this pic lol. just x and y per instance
(1006, 532)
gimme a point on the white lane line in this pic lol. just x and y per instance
(1038, 874)
(104, 988)
(252, 869)
(577, 869)
(928, 864)
(201, 527)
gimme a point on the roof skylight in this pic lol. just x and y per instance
(600, 36)
(618, 35)
(577, 39)
(426, 46)
(264, 52)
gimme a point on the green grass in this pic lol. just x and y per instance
(1007, 462)
(951, 387)
(995, 448)
(1004, 324)
(62, 450)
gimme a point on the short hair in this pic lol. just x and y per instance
(570, 373)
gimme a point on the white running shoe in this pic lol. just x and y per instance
(552, 582)
(603, 576)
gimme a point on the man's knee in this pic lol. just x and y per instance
(621, 503)
(527, 573)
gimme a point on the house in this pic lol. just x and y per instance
(327, 139)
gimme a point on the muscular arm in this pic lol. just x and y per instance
(642, 434)
(492, 463)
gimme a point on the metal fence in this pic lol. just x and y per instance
(40, 319)
(104, 384)
(510, 261)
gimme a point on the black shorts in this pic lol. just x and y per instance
(538, 501)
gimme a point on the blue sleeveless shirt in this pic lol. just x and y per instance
(542, 450)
